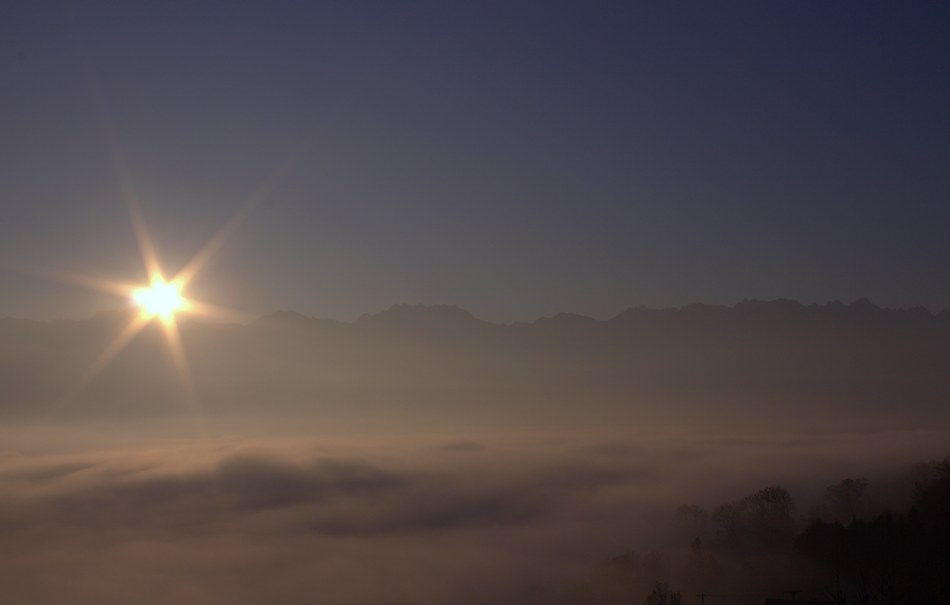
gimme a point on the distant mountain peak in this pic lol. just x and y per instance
(566, 319)
(444, 314)
(778, 304)
(293, 319)
(287, 316)
(430, 320)
(863, 304)
(405, 313)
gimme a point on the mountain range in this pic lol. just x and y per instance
(756, 363)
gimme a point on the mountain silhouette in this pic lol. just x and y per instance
(835, 365)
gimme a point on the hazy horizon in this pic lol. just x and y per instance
(500, 302)
(129, 307)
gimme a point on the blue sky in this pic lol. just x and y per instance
(516, 159)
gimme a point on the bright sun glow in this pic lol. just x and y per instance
(162, 299)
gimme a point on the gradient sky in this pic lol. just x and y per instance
(516, 159)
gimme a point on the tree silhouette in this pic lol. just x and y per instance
(845, 500)
(690, 523)
(890, 558)
(702, 569)
(759, 523)
(663, 595)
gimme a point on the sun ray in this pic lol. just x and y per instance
(115, 347)
(203, 309)
(160, 299)
(144, 240)
(89, 282)
(180, 360)
(207, 252)
(146, 247)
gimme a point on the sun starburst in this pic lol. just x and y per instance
(161, 300)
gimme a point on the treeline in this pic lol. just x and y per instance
(890, 558)
(758, 547)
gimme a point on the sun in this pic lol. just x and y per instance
(161, 299)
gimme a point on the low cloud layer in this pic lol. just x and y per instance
(469, 520)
